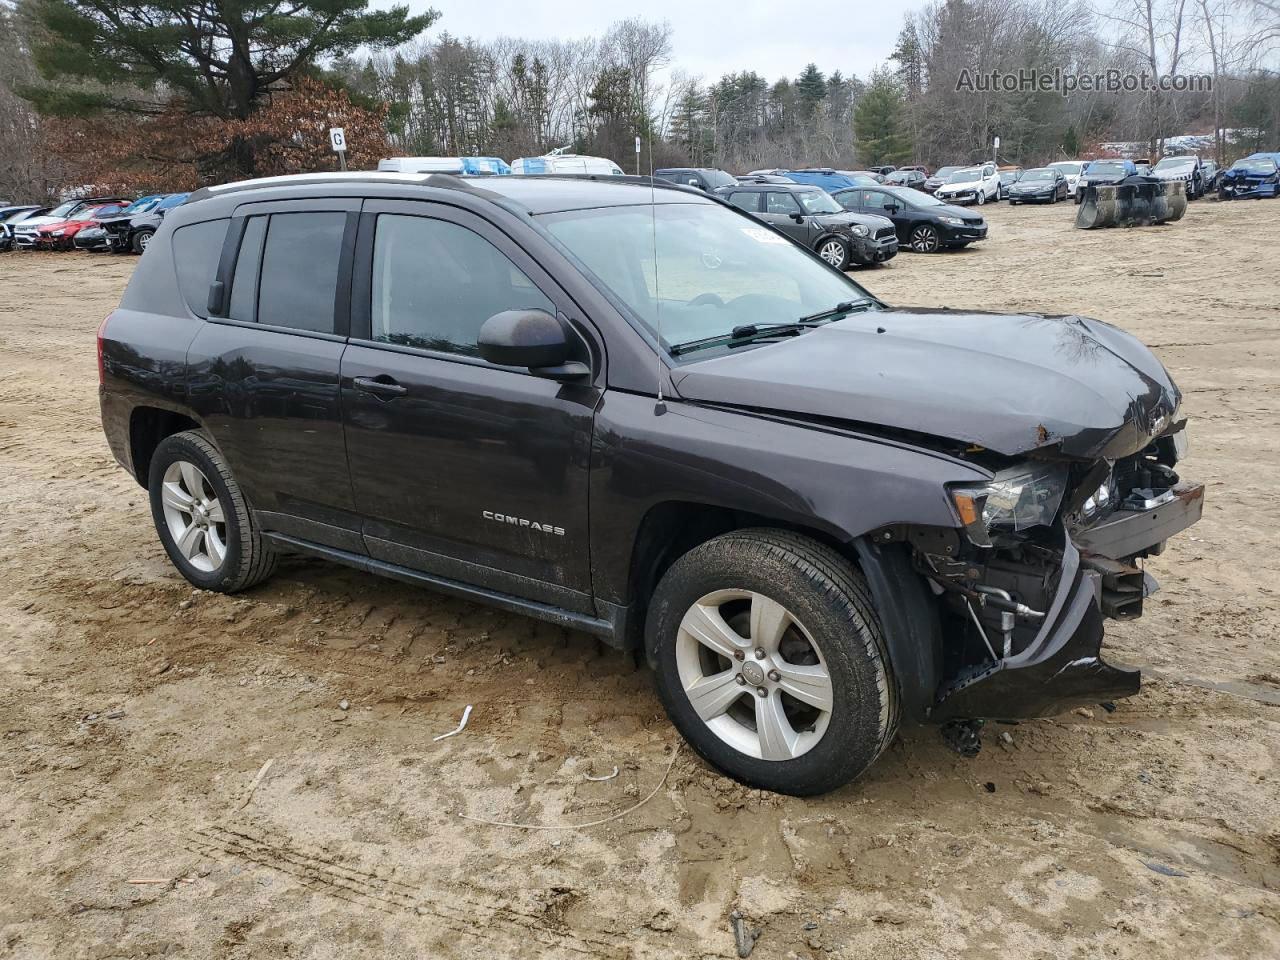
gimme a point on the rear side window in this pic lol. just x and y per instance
(196, 250)
(435, 283)
(299, 278)
(244, 284)
(747, 200)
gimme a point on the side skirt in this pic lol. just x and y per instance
(605, 629)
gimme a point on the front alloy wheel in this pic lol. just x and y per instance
(924, 239)
(770, 662)
(982, 197)
(753, 674)
(835, 252)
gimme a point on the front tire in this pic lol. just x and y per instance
(202, 518)
(925, 239)
(835, 252)
(770, 661)
(140, 240)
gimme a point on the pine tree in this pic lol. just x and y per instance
(878, 123)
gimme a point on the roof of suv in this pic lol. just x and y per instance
(774, 188)
(540, 193)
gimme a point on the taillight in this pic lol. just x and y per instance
(102, 368)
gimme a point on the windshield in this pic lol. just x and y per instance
(174, 199)
(138, 206)
(1038, 175)
(944, 172)
(62, 209)
(1068, 167)
(1173, 163)
(1106, 167)
(964, 176)
(716, 269)
(1256, 165)
(1010, 176)
(718, 178)
(818, 201)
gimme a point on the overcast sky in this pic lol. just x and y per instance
(709, 38)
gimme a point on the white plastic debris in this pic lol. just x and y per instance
(466, 715)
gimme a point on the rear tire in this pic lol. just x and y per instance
(202, 518)
(809, 611)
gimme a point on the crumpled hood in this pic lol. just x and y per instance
(1009, 383)
(842, 221)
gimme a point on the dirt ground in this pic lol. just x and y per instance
(136, 714)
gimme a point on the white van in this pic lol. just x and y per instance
(566, 163)
(473, 166)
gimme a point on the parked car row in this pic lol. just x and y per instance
(116, 224)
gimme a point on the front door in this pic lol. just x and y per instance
(462, 469)
(782, 210)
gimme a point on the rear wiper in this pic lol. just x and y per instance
(750, 332)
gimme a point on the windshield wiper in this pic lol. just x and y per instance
(750, 332)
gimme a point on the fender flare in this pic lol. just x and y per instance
(909, 624)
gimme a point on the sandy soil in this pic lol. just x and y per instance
(135, 713)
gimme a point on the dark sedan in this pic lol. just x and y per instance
(923, 223)
(1041, 185)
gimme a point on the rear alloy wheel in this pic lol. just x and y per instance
(201, 516)
(835, 252)
(140, 240)
(770, 661)
(924, 239)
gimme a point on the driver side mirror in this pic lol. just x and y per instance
(892, 208)
(798, 217)
(533, 339)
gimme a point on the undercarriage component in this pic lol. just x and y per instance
(1132, 204)
(963, 736)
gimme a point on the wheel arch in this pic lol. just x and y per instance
(148, 426)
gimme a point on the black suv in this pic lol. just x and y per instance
(704, 178)
(923, 222)
(637, 413)
(809, 216)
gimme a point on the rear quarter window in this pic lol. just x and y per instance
(197, 248)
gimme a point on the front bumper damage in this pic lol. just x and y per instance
(874, 249)
(1058, 665)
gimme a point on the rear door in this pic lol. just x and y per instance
(264, 373)
(462, 469)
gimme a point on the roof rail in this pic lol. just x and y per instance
(350, 176)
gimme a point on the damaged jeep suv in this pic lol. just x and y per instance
(633, 410)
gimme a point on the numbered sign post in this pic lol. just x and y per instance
(338, 140)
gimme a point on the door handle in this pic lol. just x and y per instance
(381, 385)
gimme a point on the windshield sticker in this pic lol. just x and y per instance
(760, 235)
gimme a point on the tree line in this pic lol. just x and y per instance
(172, 93)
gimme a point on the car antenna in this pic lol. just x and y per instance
(660, 407)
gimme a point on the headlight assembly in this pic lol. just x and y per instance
(858, 230)
(1017, 498)
(954, 221)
